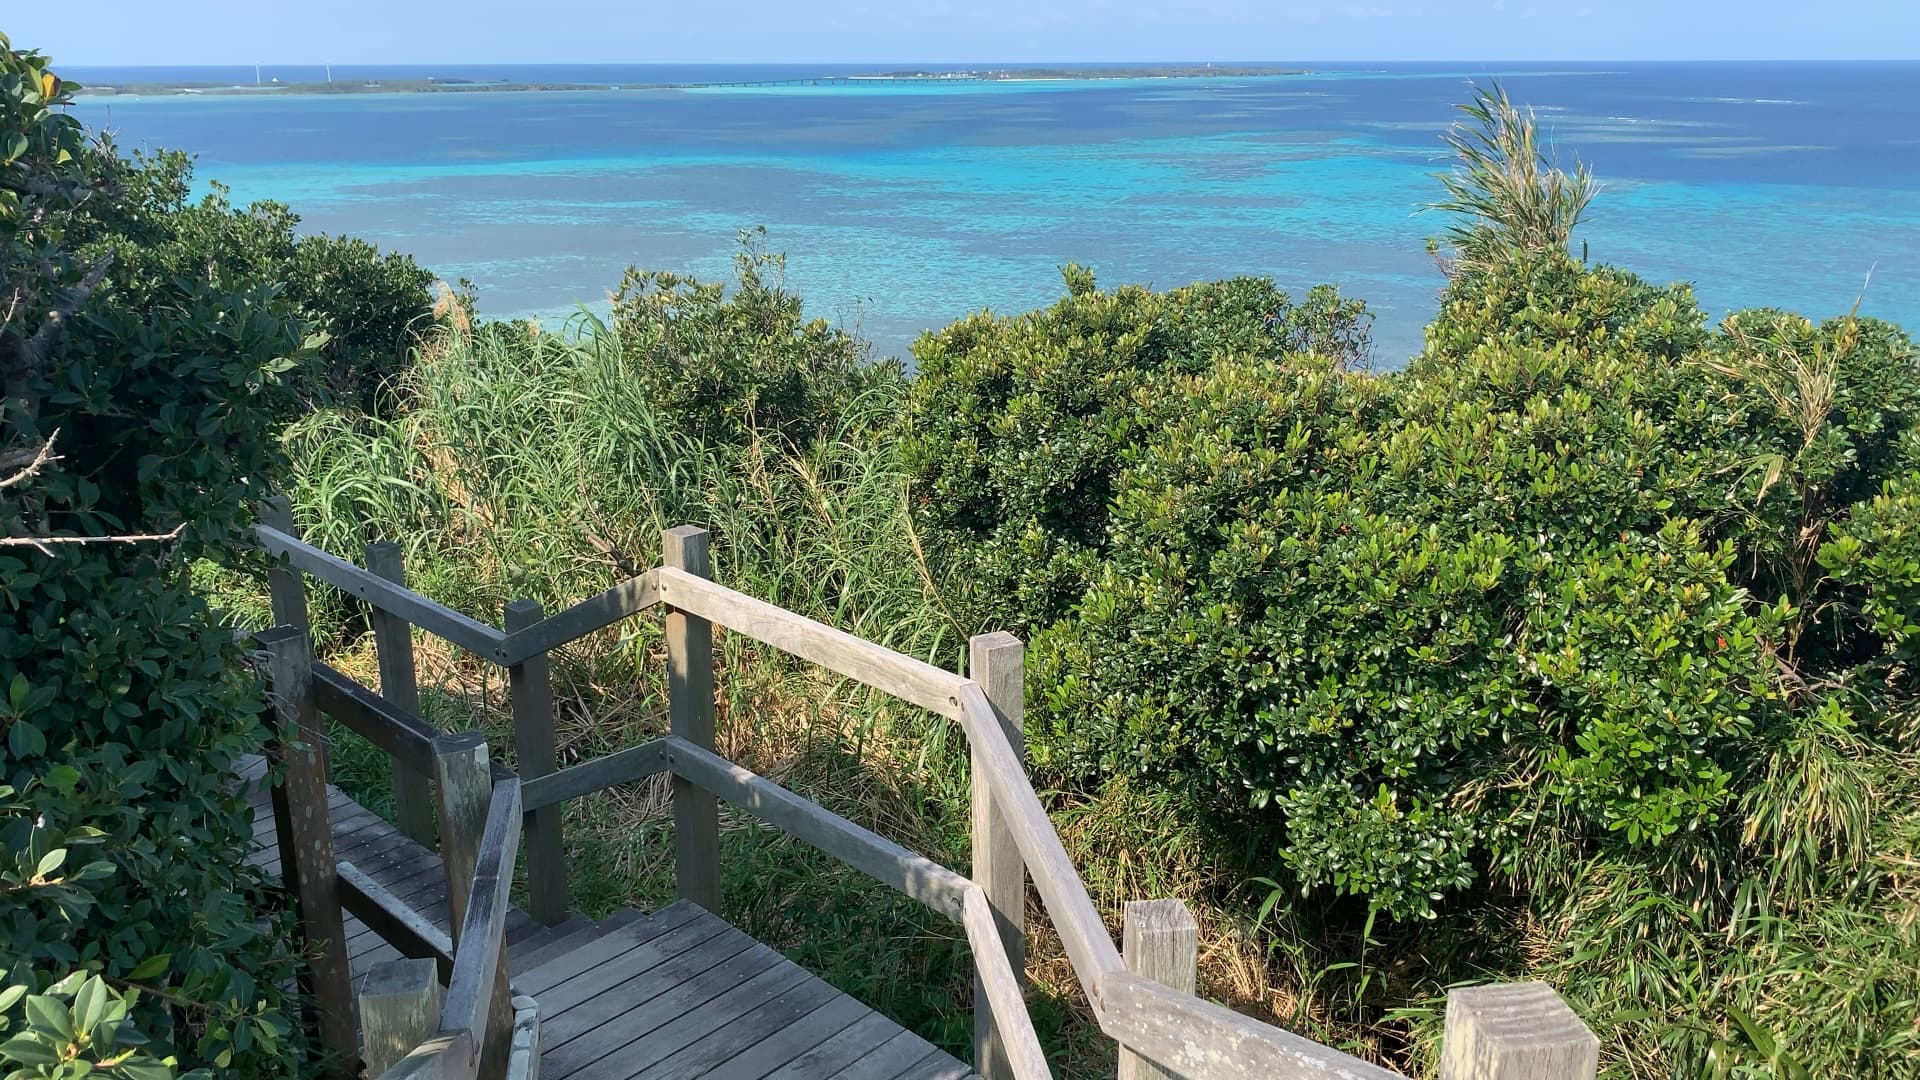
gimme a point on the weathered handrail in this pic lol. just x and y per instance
(404, 736)
(913, 681)
(874, 855)
(1005, 999)
(436, 618)
(397, 923)
(454, 1051)
(628, 598)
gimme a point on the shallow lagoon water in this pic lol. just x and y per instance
(905, 205)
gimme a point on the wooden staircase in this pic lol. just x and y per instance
(681, 993)
(677, 993)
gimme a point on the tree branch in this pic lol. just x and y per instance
(27, 461)
(36, 349)
(43, 544)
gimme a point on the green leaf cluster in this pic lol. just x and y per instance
(76, 1027)
(1016, 426)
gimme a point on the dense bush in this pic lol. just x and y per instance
(735, 365)
(142, 412)
(371, 307)
(1016, 425)
(1366, 621)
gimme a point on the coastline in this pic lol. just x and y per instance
(472, 86)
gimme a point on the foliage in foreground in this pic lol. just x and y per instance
(76, 1027)
(136, 424)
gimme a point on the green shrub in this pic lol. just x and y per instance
(372, 307)
(1352, 619)
(144, 412)
(734, 366)
(1016, 425)
(1545, 300)
(1875, 551)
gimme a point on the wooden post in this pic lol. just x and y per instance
(1515, 1031)
(1159, 941)
(530, 684)
(399, 1006)
(997, 662)
(463, 780)
(696, 814)
(304, 829)
(286, 587)
(393, 640)
(463, 783)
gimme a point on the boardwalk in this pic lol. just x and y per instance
(673, 994)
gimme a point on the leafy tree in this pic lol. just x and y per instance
(371, 307)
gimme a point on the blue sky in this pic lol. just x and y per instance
(611, 31)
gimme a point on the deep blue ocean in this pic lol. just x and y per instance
(902, 206)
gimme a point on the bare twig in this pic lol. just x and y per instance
(43, 544)
(27, 461)
(614, 555)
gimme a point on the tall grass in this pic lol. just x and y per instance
(530, 465)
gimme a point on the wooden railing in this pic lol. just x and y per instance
(1493, 1033)
(469, 1034)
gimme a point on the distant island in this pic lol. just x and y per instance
(457, 85)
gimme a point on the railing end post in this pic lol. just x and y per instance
(399, 1007)
(1515, 1031)
(997, 661)
(1159, 941)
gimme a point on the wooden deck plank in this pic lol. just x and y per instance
(842, 1049)
(697, 1024)
(889, 1059)
(740, 1026)
(633, 949)
(588, 1002)
(623, 1029)
(938, 1065)
(526, 957)
(796, 1038)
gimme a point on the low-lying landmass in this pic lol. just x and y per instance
(435, 85)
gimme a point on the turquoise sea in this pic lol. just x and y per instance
(904, 205)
